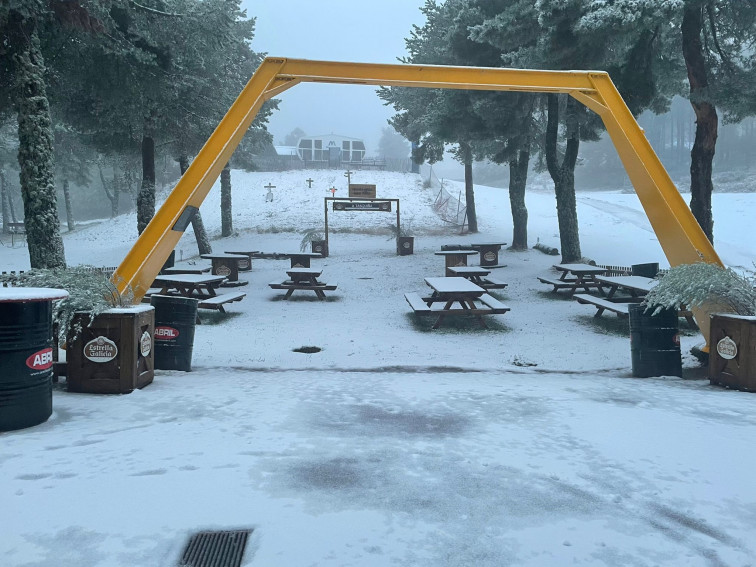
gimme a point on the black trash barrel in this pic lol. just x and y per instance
(26, 356)
(175, 319)
(654, 342)
(646, 270)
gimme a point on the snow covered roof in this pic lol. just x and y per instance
(286, 150)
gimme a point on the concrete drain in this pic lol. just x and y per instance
(308, 349)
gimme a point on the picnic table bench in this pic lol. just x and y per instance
(218, 301)
(602, 304)
(478, 276)
(303, 279)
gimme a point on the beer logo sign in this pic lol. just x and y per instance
(223, 270)
(145, 344)
(40, 360)
(489, 256)
(165, 333)
(100, 350)
(727, 349)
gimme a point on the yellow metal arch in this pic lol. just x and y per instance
(678, 232)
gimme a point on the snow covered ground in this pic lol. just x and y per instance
(525, 444)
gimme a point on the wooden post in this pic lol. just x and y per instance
(325, 202)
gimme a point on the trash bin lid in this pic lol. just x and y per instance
(27, 294)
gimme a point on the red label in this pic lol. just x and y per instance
(41, 360)
(166, 333)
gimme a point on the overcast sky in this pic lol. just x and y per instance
(336, 30)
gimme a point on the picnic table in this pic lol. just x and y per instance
(198, 286)
(455, 258)
(478, 276)
(244, 266)
(302, 259)
(227, 265)
(489, 253)
(303, 279)
(632, 289)
(448, 291)
(574, 277)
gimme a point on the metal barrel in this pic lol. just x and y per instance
(654, 342)
(646, 270)
(175, 319)
(26, 360)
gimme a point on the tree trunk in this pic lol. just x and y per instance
(146, 195)
(69, 211)
(563, 175)
(200, 234)
(35, 153)
(472, 217)
(707, 122)
(518, 177)
(4, 199)
(227, 227)
(114, 195)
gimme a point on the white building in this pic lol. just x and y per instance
(330, 150)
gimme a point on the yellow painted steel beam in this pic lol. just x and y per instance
(681, 238)
(142, 263)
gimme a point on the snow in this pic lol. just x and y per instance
(528, 443)
(26, 294)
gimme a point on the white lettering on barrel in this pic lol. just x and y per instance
(166, 333)
(41, 360)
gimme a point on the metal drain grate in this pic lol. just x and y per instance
(215, 549)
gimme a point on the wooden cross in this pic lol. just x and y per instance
(309, 183)
(333, 191)
(269, 186)
(348, 175)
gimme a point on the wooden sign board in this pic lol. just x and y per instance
(383, 206)
(362, 191)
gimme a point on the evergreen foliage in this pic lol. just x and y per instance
(697, 284)
(89, 291)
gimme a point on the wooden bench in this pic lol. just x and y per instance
(417, 303)
(601, 304)
(496, 306)
(492, 283)
(291, 286)
(218, 301)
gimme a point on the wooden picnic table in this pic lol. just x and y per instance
(198, 286)
(448, 291)
(303, 279)
(632, 289)
(244, 266)
(478, 276)
(489, 253)
(455, 258)
(227, 265)
(188, 285)
(574, 277)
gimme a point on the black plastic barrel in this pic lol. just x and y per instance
(175, 319)
(26, 360)
(654, 342)
(646, 270)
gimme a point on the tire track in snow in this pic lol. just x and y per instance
(621, 212)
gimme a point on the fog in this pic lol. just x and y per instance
(339, 30)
